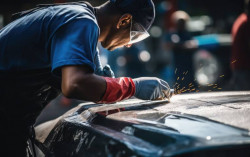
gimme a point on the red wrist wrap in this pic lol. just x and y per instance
(118, 89)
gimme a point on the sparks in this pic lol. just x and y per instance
(234, 61)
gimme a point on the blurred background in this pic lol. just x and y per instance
(190, 47)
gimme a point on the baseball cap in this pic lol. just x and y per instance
(143, 15)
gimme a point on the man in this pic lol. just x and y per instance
(52, 48)
(240, 57)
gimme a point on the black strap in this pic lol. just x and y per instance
(32, 139)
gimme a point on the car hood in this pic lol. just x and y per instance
(189, 124)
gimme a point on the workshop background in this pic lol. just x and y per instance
(189, 47)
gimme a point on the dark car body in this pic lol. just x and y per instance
(198, 124)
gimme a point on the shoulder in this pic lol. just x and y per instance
(74, 11)
(77, 16)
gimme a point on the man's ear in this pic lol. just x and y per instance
(124, 21)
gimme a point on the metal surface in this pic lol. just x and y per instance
(205, 124)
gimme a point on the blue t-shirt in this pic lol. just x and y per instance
(50, 37)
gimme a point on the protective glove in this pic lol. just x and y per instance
(105, 71)
(151, 88)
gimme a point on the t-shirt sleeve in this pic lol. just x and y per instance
(74, 44)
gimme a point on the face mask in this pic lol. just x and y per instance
(137, 33)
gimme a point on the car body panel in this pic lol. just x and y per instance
(204, 124)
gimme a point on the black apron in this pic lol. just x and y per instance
(23, 95)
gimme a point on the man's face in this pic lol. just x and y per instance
(119, 34)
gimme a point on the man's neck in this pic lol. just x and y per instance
(103, 22)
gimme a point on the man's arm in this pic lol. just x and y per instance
(79, 82)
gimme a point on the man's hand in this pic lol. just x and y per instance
(151, 88)
(106, 71)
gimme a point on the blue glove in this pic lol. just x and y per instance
(102, 71)
(106, 71)
(151, 88)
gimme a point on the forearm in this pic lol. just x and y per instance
(92, 88)
(87, 86)
(80, 83)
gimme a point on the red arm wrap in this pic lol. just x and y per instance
(118, 89)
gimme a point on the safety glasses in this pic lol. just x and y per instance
(137, 32)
